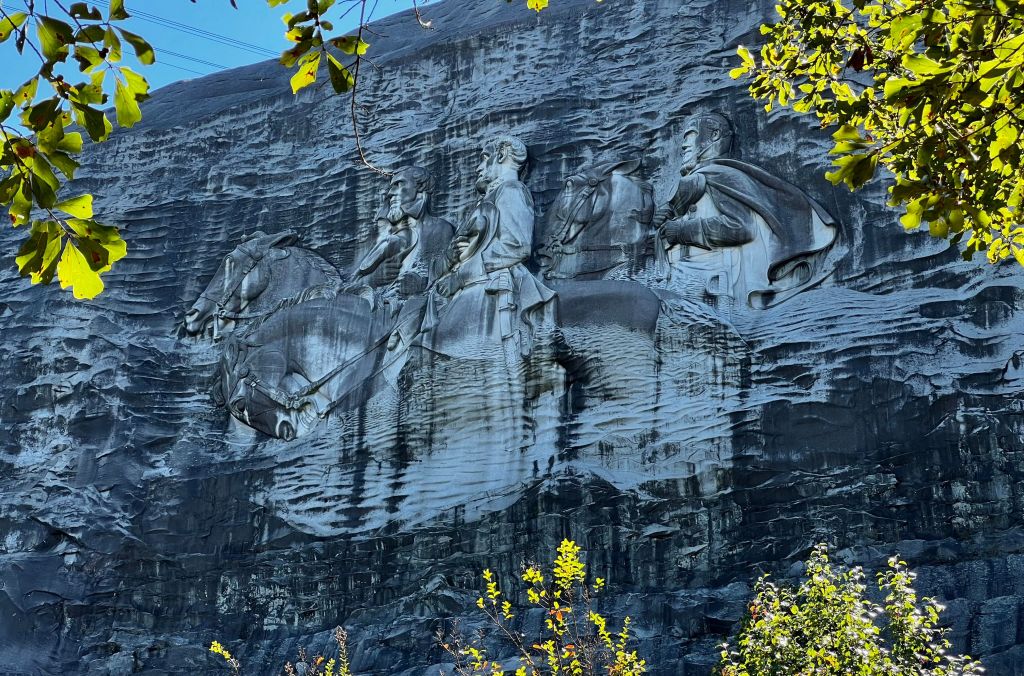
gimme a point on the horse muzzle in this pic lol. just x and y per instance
(198, 318)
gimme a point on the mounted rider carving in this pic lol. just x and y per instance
(734, 231)
(488, 298)
(409, 254)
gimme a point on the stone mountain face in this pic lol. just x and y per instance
(686, 436)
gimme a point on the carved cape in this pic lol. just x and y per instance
(738, 188)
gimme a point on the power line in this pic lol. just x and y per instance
(205, 34)
(187, 70)
(199, 33)
(160, 51)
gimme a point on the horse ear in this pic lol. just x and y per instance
(286, 238)
(625, 167)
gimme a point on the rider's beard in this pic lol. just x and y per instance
(395, 213)
(689, 163)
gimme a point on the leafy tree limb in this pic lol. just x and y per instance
(931, 90)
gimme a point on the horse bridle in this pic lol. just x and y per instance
(585, 194)
(221, 312)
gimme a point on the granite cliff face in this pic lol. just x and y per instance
(879, 408)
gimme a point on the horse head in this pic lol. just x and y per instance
(243, 275)
(605, 208)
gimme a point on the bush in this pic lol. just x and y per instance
(825, 626)
(577, 640)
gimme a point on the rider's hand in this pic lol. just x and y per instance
(662, 215)
(448, 285)
(388, 270)
(411, 284)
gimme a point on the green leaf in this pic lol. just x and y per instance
(290, 56)
(79, 207)
(54, 38)
(143, 50)
(854, 170)
(915, 210)
(105, 240)
(939, 228)
(88, 58)
(306, 73)
(42, 114)
(95, 122)
(17, 192)
(26, 93)
(113, 45)
(117, 11)
(48, 138)
(350, 44)
(10, 22)
(1005, 137)
(126, 106)
(6, 103)
(74, 271)
(44, 183)
(342, 79)
(847, 132)
(920, 64)
(91, 92)
(275, 3)
(66, 164)
(39, 253)
(92, 33)
(896, 86)
(136, 84)
(81, 10)
(295, 19)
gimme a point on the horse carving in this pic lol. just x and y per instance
(295, 367)
(600, 225)
(255, 279)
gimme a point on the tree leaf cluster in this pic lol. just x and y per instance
(63, 238)
(826, 626)
(576, 640)
(930, 91)
(309, 29)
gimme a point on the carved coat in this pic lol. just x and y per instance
(496, 299)
(726, 203)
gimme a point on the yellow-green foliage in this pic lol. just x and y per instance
(929, 90)
(317, 665)
(577, 640)
(825, 627)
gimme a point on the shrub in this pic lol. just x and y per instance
(825, 626)
(576, 640)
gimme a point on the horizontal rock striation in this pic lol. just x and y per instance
(879, 410)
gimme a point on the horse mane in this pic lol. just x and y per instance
(318, 292)
(316, 261)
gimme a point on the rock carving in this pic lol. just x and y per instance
(488, 298)
(304, 344)
(253, 281)
(733, 230)
(600, 225)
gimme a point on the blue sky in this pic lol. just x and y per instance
(181, 53)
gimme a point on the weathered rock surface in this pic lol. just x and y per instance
(880, 411)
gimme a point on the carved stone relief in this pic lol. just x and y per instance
(615, 275)
(734, 232)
